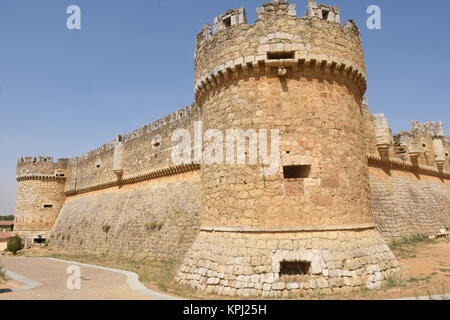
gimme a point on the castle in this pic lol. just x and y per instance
(346, 186)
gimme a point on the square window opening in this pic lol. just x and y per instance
(295, 268)
(227, 22)
(296, 172)
(325, 14)
(39, 240)
(280, 55)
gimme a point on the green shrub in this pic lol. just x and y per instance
(106, 228)
(154, 226)
(14, 244)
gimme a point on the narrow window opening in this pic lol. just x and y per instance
(424, 145)
(39, 240)
(294, 268)
(97, 166)
(227, 22)
(156, 144)
(48, 206)
(325, 14)
(296, 172)
(280, 55)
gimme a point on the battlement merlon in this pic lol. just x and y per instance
(42, 166)
(383, 134)
(231, 18)
(276, 8)
(323, 11)
(435, 129)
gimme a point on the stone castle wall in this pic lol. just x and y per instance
(142, 153)
(230, 225)
(40, 195)
(405, 203)
(248, 264)
(157, 219)
(315, 105)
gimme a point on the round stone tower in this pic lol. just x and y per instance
(298, 218)
(40, 197)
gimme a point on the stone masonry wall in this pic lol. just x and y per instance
(156, 219)
(406, 204)
(38, 211)
(40, 196)
(315, 105)
(248, 264)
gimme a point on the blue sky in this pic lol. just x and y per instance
(64, 92)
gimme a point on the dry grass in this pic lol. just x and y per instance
(407, 247)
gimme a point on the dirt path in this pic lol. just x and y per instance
(46, 279)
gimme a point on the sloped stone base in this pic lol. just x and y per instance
(248, 264)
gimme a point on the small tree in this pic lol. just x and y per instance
(14, 244)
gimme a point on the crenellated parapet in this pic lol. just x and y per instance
(276, 8)
(134, 154)
(278, 44)
(41, 167)
(439, 147)
(434, 129)
(424, 148)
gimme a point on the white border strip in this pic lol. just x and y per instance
(29, 284)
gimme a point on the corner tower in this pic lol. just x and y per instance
(308, 227)
(40, 196)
